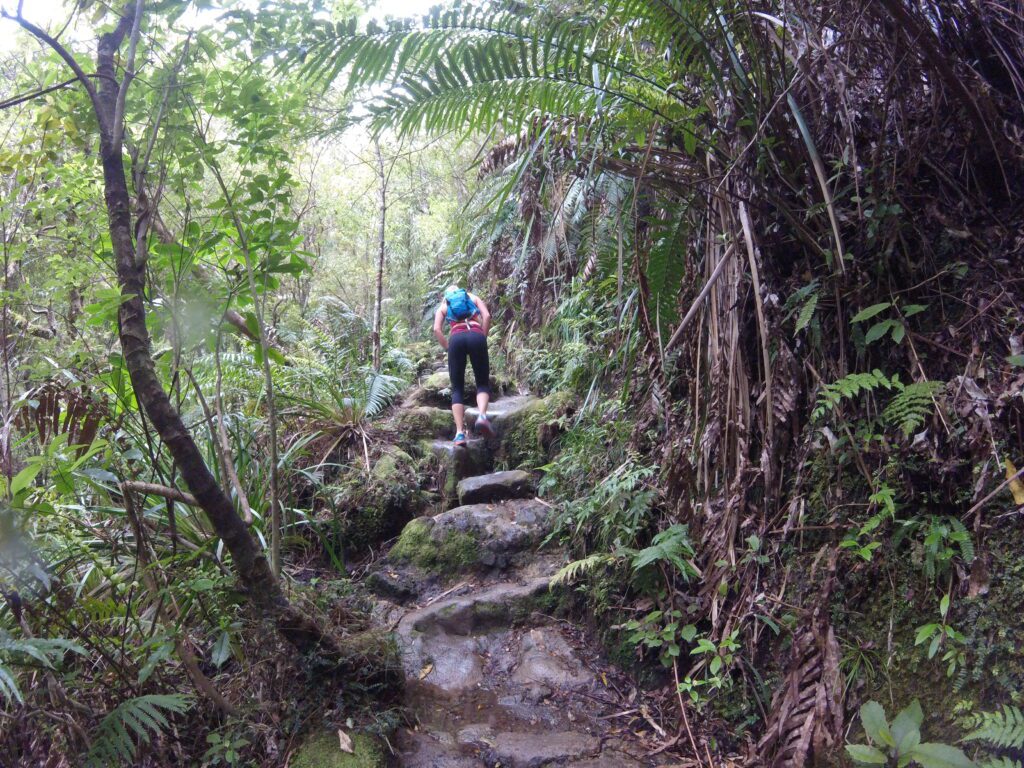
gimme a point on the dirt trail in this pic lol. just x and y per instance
(493, 678)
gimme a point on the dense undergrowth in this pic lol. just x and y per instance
(763, 259)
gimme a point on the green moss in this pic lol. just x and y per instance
(456, 552)
(321, 750)
(526, 441)
(392, 468)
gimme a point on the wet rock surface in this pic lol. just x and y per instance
(497, 486)
(492, 677)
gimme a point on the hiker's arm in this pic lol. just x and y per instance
(439, 326)
(485, 313)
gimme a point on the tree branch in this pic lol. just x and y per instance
(60, 50)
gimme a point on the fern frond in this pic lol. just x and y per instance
(850, 387)
(1000, 762)
(1003, 728)
(132, 721)
(577, 568)
(911, 406)
(42, 651)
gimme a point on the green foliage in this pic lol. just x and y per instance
(133, 721)
(850, 387)
(901, 742)
(911, 405)
(29, 651)
(1001, 728)
(941, 633)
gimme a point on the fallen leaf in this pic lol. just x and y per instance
(1016, 486)
(426, 671)
(345, 742)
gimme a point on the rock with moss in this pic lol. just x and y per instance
(436, 390)
(472, 536)
(366, 510)
(441, 551)
(423, 421)
(527, 427)
(322, 749)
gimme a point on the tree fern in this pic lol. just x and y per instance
(133, 722)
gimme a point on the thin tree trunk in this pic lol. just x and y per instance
(378, 303)
(258, 580)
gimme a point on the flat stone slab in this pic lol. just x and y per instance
(446, 644)
(505, 412)
(535, 750)
(546, 659)
(497, 486)
(421, 750)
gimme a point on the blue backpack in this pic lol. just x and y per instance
(460, 306)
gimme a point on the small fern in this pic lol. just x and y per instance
(1003, 728)
(911, 406)
(1000, 762)
(43, 651)
(577, 568)
(139, 718)
(850, 387)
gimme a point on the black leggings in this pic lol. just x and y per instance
(472, 344)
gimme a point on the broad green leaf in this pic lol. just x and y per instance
(23, 479)
(869, 312)
(944, 605)
(907, 722)
(865, 755)
(872, 717)
(878, 330)
(931, 755)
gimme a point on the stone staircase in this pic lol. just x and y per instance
(493, 679)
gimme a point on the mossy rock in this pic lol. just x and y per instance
(393, 467)
(321, 750)
(529, 435)
(423, 421)
(366, 510)
(456, 552)
(436, 389)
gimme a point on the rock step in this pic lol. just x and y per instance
(473, 536)
(497, 486)
(506, 412)
(462, 461)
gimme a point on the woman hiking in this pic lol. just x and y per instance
(468, 322)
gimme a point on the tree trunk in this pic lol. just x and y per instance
(378, 303)
(257, 579)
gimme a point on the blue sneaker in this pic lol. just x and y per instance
(460, 439)
(483, 426)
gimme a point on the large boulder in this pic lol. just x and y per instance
(436, 390)
(476, 535)
(497, 486)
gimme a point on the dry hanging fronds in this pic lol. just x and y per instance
(806, 718)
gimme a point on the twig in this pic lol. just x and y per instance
(153, 489)
(997, 489)
(700, 297)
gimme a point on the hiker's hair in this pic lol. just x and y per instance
(452, 287)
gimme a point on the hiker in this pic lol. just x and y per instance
(468, 320)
